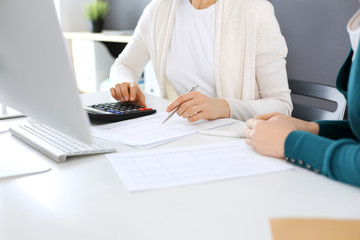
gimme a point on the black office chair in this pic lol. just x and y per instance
(314, 101)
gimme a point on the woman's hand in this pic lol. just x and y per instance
(300, 125)
(128, 91)
(267, 133)
(195, 106)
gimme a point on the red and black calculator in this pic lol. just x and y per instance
(117, 111)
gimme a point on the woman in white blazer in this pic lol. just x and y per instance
(232, 49)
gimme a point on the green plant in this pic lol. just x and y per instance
(97, 10)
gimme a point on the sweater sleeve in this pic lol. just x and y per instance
(270, 69)
(335, 129)
(336, 159)
(129, 65)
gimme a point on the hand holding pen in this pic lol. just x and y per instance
(195, 106)
(176, 108)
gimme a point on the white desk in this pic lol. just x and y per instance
(84, 199)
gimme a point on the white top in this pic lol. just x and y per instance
(190, 59)
(249, 54)
(353, 28)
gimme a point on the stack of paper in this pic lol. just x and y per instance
(147, 132)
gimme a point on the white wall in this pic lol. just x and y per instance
(124, 14)
(71, 15)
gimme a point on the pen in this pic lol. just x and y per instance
(236, 134)
(175, 109)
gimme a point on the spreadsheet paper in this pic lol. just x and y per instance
(145, 170)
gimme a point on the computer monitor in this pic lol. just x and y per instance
(36, 74)
(7, 112)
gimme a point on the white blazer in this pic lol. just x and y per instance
(249, 64)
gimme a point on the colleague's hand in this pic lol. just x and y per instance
(298, 124)
(195, 106)
(128, 91)
(267, 133)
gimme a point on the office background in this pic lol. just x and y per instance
(85, 199)
(315, 31)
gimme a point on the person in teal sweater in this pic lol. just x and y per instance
(331, 148)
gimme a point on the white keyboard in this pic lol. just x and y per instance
(57, 145)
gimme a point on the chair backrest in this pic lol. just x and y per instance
(312, 92)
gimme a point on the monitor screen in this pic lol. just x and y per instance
(36, 74)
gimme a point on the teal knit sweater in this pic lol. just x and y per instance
(335, 152)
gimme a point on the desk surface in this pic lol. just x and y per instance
(106, 36)
(84, 199)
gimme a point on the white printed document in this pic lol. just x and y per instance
(145, 170)
(147, 132)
